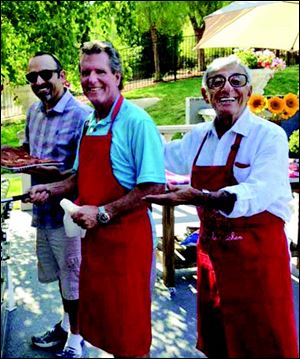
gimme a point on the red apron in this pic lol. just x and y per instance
(245, 300)
(115, 307)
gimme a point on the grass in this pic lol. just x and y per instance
(284, 82)
(15, 187)
(170, 110)
(10, 130)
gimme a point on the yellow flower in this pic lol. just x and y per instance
(275, 108)
(289, 111)
(286, 115)
(276, 105)
(291, 103)
(257, 103)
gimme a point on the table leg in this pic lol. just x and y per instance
(168, 246)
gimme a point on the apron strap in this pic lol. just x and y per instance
(115, 112)
(199, 149)
(233, 151)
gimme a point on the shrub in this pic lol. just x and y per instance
(294, 142)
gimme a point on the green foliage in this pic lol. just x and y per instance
(247, 57)
(10, 130)
(59, 27)
(55, 26)
(177, 136)
(166, 17)
(197, 10)
(294, 142)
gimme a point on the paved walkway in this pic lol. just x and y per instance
(38, 306)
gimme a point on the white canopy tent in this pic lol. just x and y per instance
(260, 24)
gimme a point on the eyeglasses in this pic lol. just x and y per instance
(218, 81)
(44, 74)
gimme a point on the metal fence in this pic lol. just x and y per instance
(177, 60)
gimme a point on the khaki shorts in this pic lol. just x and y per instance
(59, 257)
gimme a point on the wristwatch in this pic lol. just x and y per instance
(102, 217)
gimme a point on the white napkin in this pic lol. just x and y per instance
(72, 229)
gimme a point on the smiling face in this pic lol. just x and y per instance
(228, 101)
(51, 90)
(98, 82)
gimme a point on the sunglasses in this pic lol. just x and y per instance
(44, 74)
(218, 81)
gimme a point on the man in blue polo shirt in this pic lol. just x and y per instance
(120, 160)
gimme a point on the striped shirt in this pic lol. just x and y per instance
(54, 134)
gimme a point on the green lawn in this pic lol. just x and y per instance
(284, 82)
(170, 110)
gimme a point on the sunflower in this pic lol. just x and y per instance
(288, 112)
(276, 105)
(291, 102)
(257, 103)
(285, 115)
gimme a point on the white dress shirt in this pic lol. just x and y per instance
(263, 183)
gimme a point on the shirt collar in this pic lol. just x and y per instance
(61, 104)
(104, 121)
(241, 126)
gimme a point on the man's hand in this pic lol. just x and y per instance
(38, 194)
(86, 217)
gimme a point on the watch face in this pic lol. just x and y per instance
(103, 218)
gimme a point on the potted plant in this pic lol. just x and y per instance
(263, 65)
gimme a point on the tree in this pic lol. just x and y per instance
(165, 17)
(56, 26)
(197, 10)
(60, 27)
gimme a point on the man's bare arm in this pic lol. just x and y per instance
(40, 193)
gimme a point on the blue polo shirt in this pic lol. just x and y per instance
(136, 150)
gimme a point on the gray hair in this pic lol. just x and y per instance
(96, 47)
(222, 62)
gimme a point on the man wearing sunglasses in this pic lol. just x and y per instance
(53, 128)
(239, 183)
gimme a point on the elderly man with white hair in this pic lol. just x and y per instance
(239, 183)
